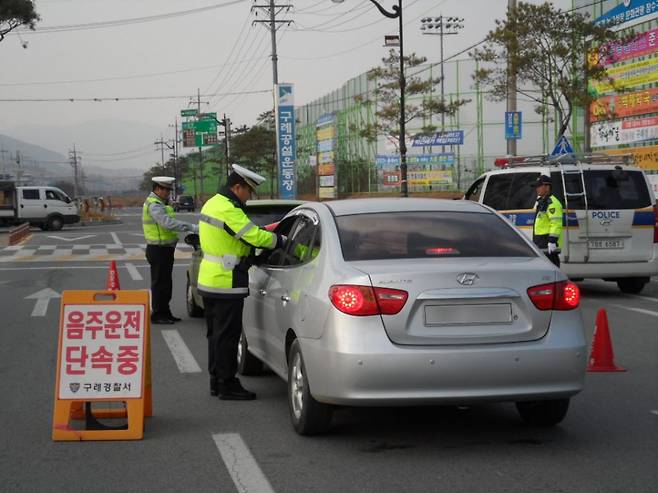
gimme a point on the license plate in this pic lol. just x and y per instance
(482, 314)
(603, 244)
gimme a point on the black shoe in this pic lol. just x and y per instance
(173, 319)
(213, 387)
(234, 391)
(162, 321)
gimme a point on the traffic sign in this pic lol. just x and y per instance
(562, 147)
(208, 116)
(189, 112)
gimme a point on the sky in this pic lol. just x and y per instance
(218, 51)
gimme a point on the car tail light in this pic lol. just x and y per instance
(655, 223)
(365, 300)
(563, 295)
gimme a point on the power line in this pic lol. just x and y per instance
(129, 98)
(123, 22)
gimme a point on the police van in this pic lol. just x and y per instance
(610, 223)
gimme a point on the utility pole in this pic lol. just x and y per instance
(2, 159)
(198, 106)
(227, 143)
(176, 173)
(511, 76)
(73, 156)
(161, 144)
(271, 10)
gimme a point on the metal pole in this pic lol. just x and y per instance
(275, 72)
(443, 115)
(403, 144)
(203, 190)
(511, 80)
(162, 161)
(176, 171)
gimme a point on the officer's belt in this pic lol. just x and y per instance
(228, 261)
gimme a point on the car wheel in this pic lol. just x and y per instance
(248, 364)
(193, 310)
(309, 417)
(55, 223)
(543, 413)
(631, 285)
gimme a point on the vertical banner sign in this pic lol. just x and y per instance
(102, 356)
(326, 138)
(513, 125)
(286, 145)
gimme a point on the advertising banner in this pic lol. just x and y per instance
(628, 11)
(618, 132)
(644, 157)
(286, 140)
(624, 105)
(440, 159)
(618, 51)
(427, 177)
(326, 169)
(327, 181)
(327, 192)
(513, 125)
(325, 133)
(450, 137)
(627, 76)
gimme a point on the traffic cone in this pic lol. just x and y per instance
(602, 358)
(113, 277)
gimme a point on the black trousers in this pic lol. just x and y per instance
(161, 259)
(554, 257)
(224, 323)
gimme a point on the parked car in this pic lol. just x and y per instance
(611, 216)
(184, 203)
(262, 213)
(47, 207)
(396, 302)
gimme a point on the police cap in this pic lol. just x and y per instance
(164, 181)
(252, 179)
(543, 180)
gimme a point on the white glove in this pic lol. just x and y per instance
(552, 247)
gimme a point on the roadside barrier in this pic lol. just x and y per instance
(18, 234)
(602, 358)
(94, 327)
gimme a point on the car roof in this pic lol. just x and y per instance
(556, 167)
(399, 204)
(273, 202)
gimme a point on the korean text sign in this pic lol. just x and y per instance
(102, 351)
(286, 140)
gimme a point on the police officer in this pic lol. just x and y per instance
(160, 232)
(228, 239)
(547, 229)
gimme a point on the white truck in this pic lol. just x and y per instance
(46, 207)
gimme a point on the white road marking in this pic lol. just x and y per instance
(655, 411)
(638, 310)
(71, 239)
(241, 465)
(181, 353)
(43, 298)
(116, 239)
(134, 273)
(64, 267)
(646, 298)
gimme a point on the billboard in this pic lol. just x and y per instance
(621, 132)
(625, 104)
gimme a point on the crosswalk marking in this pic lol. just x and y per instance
(94, 252)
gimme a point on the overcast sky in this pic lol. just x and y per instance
(216, 51)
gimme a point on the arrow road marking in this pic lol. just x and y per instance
(241, 465)
(71, 239)
(43, 298)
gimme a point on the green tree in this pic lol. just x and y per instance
(16, 13)
(255, 148)
(546, 48)
(386, 97)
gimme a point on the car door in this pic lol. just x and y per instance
(259, 307)
(31, 204)
(287, 285)
(56, 202)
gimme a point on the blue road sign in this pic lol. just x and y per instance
(562, 147)
(513, 125)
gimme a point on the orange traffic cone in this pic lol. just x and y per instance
(602, 357)
(113, 277)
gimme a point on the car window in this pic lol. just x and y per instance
(399, 235)
(276, 256)
(510, 191)
(497, 191)
(302, 245)
(475, 191)
(55, 195)
(31, 194)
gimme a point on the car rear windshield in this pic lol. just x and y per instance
(606, 189)
(401, 235)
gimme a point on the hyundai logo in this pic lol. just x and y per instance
(467, 278)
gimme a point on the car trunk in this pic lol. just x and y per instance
(441, 311)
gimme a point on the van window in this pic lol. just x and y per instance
(31, 194)
(606, 189)
(475, 191)
(511, 191)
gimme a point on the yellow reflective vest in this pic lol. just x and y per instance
(154, 234)
(227, 238)
(548, 223)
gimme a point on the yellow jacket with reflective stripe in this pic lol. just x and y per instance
(548, 224)
(227, 237)
(154, 234)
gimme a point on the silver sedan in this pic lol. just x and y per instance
(388, 302)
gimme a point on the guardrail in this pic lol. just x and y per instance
(18, 233)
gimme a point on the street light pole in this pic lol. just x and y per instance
(397, 13)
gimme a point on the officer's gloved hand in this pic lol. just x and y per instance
(552, 248)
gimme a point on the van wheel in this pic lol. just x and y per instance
(248, 364)
(631, 285)
(193, 310)
(308, 416)
(543, 413)
(55, 223)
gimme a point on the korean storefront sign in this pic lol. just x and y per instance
(620, 132)
(624, 105)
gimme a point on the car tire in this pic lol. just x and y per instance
(248, 364)
(55, 223)
(543, 413)
(631, 285)
(308, 416)
(193, 310)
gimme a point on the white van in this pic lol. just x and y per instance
(46, 207)
(610, 221)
